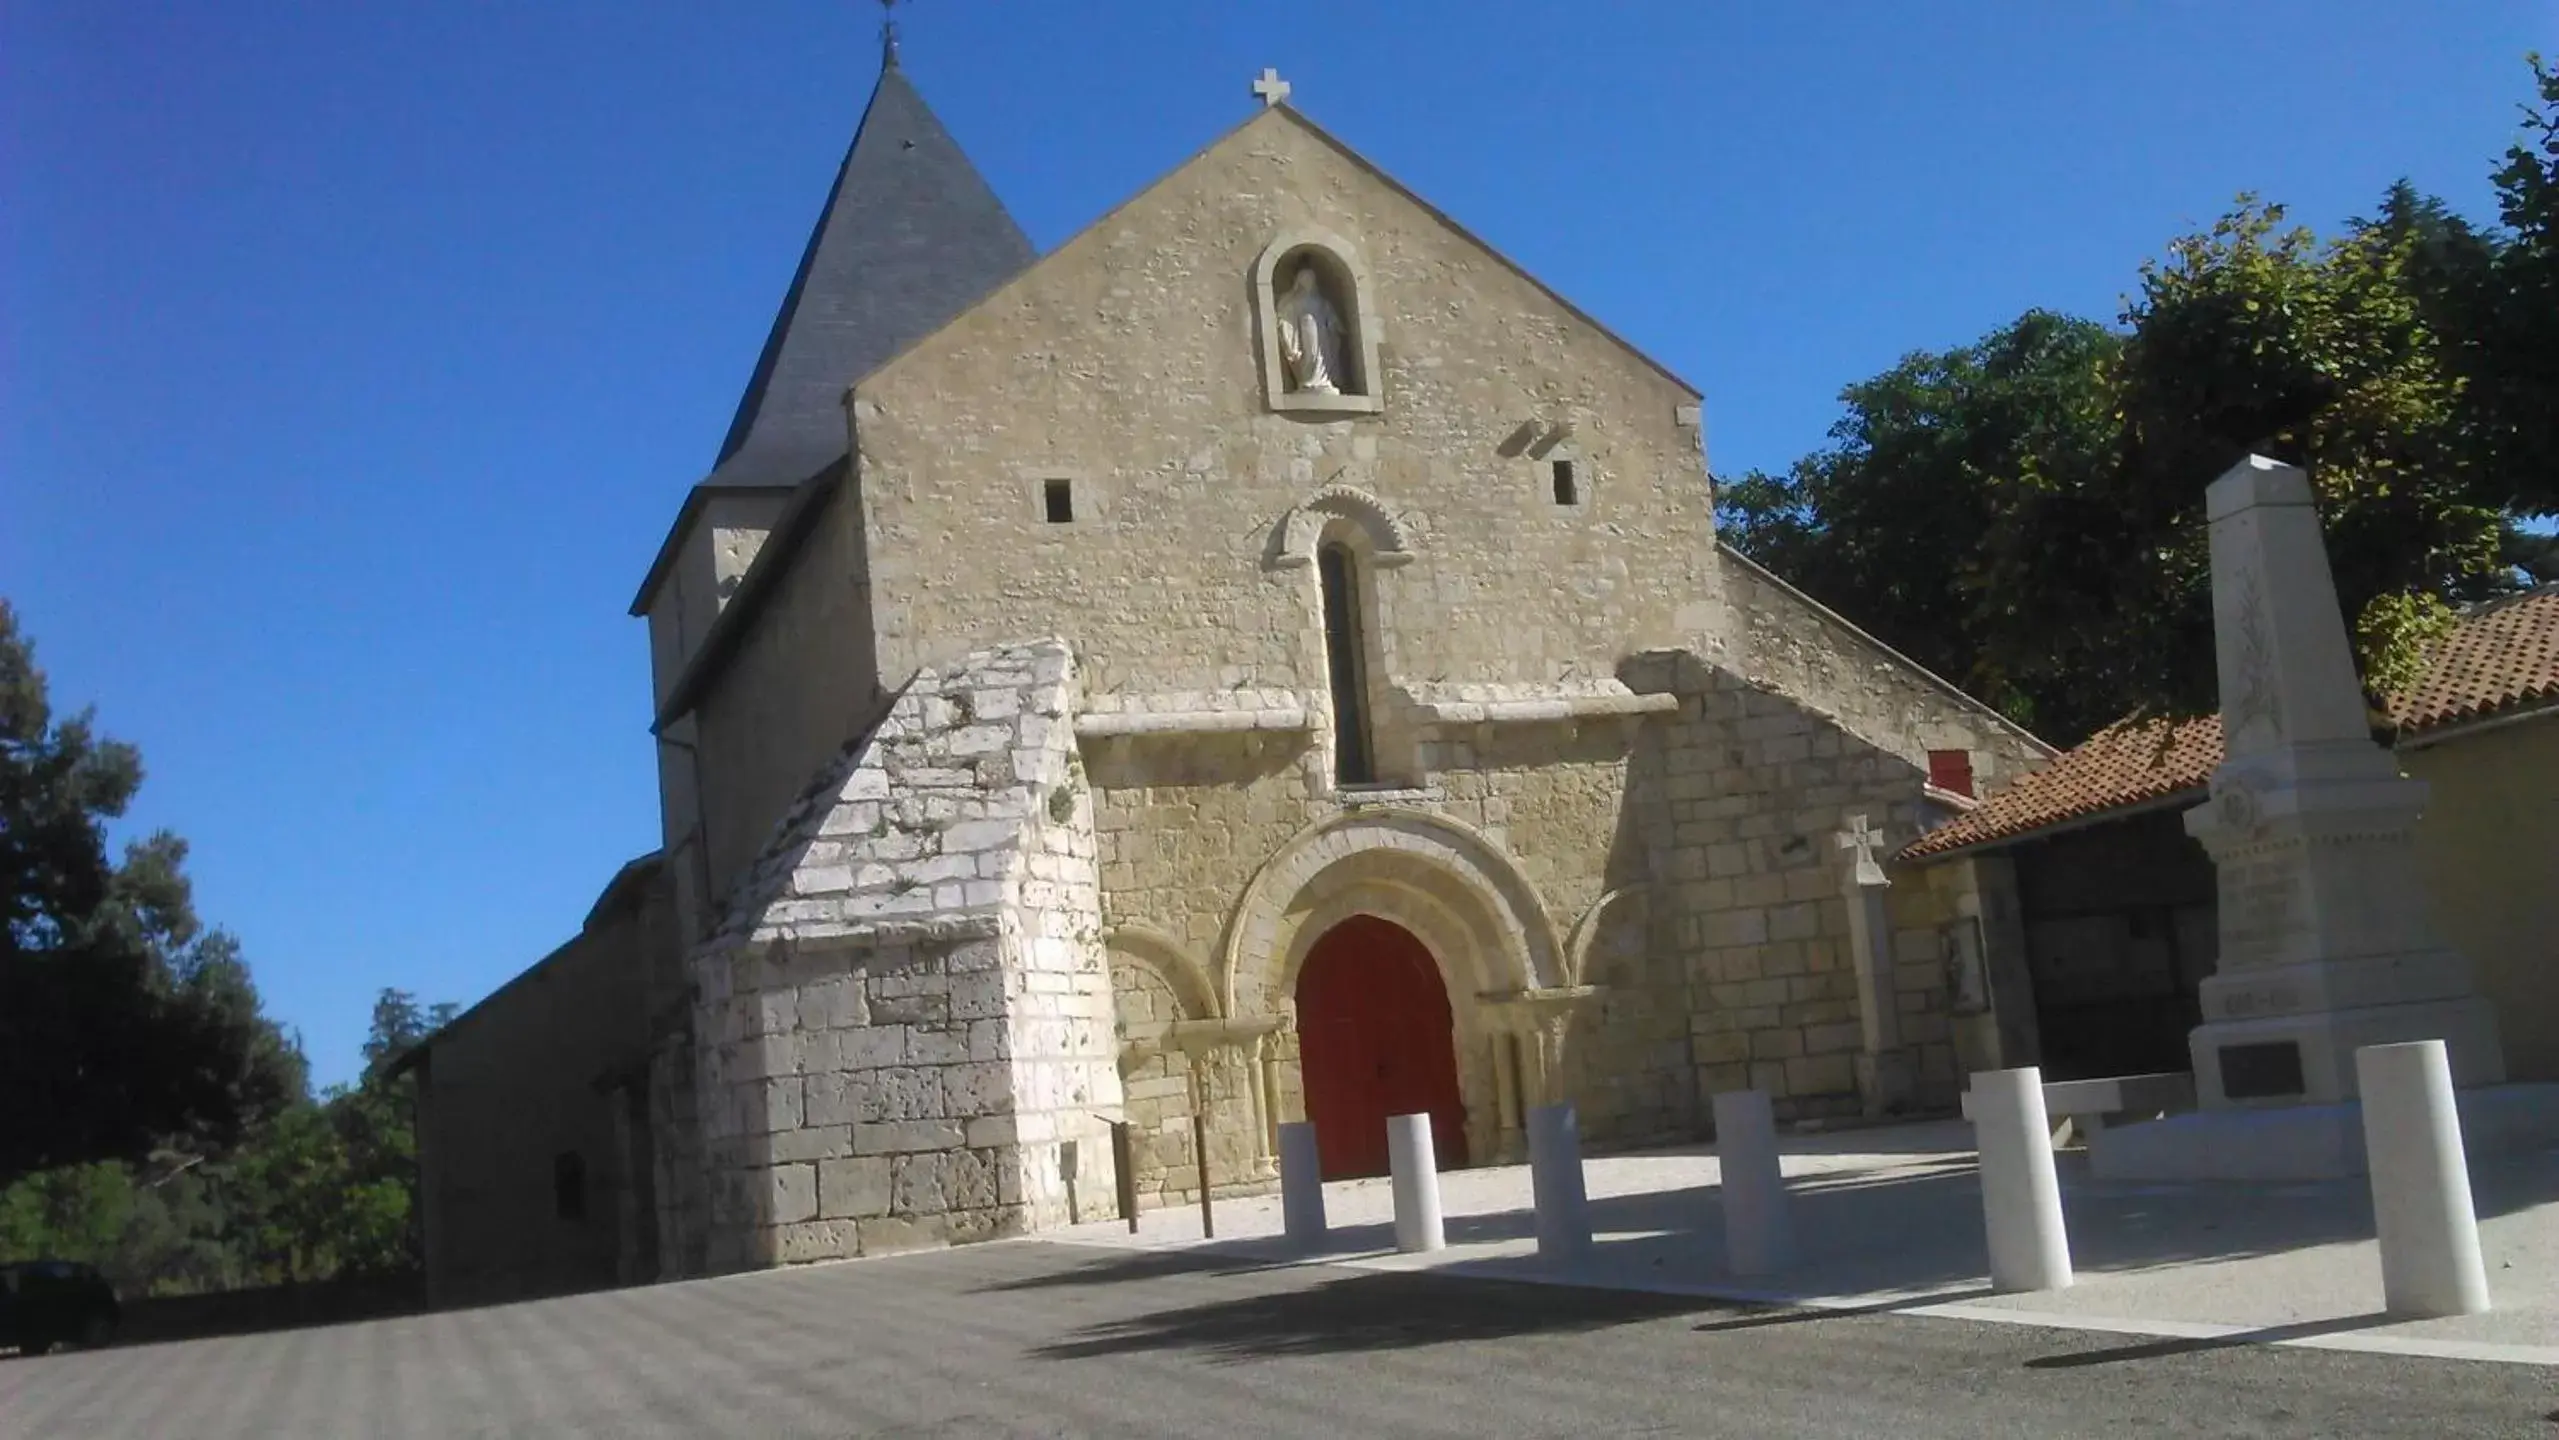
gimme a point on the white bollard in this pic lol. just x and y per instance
(1759, 1235)
(1555, 1178)
(1301, 1185)
(1416, 1169)
(2020, 1191)
(2430, 1263)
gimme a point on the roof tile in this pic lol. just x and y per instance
(2502, 656)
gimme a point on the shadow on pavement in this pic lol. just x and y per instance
(1915, 1229)
(2160, 1349)
(1364, 1312)
(1762, 1318)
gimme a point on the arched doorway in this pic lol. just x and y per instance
(1374, 1040)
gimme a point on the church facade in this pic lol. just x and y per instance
(1268, 658)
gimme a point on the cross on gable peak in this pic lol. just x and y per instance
(1270, 87)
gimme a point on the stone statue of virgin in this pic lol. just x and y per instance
(1310, 336)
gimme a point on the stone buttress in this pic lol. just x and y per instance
(904, 1025)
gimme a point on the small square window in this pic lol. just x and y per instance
(1568, 485)
(1057, 501)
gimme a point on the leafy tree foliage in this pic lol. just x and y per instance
(125, 1026)
(2023, 515)
(324, 1189)
(152, 1120)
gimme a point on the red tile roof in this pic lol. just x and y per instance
(2500, 657)
(2124, 764)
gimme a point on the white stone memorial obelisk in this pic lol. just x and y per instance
(2325, 941)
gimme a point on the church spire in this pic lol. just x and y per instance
(909, 234)
(888, 34)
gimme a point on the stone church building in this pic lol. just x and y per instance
(1268, 657)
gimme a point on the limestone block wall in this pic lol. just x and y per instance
(1784, 641)
(802, 682)
(510, 1091)
(1572, 802)
(1126, 364)
(905, 1019)
(1754, 785)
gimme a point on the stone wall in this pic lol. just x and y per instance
(1784, 641)
(906, 1014)
(1126, 363)
(1755, 787)
(532, 1074)
(803, 681)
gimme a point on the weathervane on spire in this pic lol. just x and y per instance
(888, 34)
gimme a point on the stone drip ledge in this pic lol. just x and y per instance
(1193, 712)
(1535, 704)
(1196, 1037)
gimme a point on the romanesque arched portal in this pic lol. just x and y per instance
(1376, 1038)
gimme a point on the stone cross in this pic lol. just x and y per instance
(1883, 1077)
(1270, 87)
(1862, 838)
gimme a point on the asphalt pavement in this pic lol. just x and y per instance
(1055, 1340)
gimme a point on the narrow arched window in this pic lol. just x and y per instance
(1345, 654)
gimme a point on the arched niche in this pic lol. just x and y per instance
(1332, 267)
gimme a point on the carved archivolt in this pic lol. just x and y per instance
(1446, 867)
(1389, 543)
(1152, 949)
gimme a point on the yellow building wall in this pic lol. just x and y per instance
(2489, 849)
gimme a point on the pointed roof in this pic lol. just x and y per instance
(909, 236)
(907, 239)
(911, 233)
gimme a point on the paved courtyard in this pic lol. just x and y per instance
(1892, 1216)
(1043, 1339)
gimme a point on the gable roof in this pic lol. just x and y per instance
(712, 656)
(909, 235)
(1283, 110)
(2498, 660)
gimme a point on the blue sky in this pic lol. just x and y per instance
(356, 356)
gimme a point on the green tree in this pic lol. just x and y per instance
(124, 1024)
(2513, 366)
(2024, 515)
(375, 1120)
(1895, 522)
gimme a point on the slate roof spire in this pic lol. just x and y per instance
(910, 235)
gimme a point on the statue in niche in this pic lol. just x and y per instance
(1311, 339)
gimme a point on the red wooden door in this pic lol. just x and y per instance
(1374, 1039)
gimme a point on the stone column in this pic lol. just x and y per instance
(2325, 944)
(1883, 1071)
(1257, 1076)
